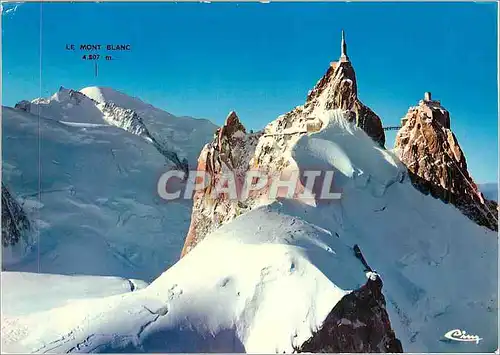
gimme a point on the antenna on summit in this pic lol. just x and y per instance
(343, 49)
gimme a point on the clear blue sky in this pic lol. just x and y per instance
(260, 60)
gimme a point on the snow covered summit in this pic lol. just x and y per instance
(94, 106)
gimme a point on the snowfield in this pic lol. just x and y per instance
(265, 280)
(21, 289)
(90, 188)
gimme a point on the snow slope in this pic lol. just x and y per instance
(91, 194)
(21, 289)
(263, 281)
(17, 233)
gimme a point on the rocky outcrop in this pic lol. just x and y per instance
(23, 105)
(337, 89)
(113, 114)
(437, 164)
(229, 152)
(15, 223)
(358, 323)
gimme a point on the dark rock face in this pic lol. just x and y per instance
(14, 221)
(437, 164)
(23, 105)
(77, 96)
(358, 323)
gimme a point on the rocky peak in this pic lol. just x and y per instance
(17, 230)
(23, 105)
(229, 141)
(359, 322)
(230, 151)
(437, 164)
(337, 89)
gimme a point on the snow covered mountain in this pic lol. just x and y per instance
(436, 163)
(280, 269)
(85, 172)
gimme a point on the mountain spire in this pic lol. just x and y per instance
(343, 49)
